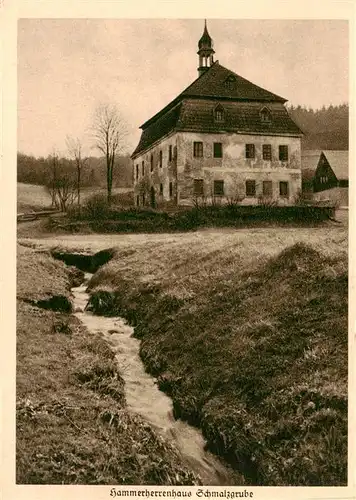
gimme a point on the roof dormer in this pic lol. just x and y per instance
(219, 114)
(265, 115)
(230, 82)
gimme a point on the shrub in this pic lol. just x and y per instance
(96, 207)
(123, 199)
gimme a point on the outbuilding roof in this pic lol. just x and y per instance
(339, 162)
(310, 160)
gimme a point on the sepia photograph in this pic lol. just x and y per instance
(182, 252)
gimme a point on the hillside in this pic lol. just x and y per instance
(247, 332)
(325, 128)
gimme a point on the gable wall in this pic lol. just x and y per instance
(160, 175)
(324, 170)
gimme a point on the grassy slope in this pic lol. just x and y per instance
(72, 422)
(248, 333)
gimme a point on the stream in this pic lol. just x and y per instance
(144, 397)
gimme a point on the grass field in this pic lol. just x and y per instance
(247, 331)
(72, 424)
(33, 197)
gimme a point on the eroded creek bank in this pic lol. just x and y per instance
(143, 396)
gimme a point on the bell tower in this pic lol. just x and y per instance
(205, 52)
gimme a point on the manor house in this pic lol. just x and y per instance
(222, 139)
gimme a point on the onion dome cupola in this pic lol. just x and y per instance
(205, 52)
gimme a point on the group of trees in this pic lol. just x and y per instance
(65, 175)
(32, 170)
(325, 128)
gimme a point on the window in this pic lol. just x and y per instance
(198, 150)
(170, 153)
(217, 150)
(283, 153)
(136, 172)
(343, 183)
(230, 82)
(138, 200)
(250, 188)
(218, 188)
(143, 199)
(161, 189)
(250, 151)
(219, 113)
(160, 159)
(267, 188)
(267, 152)
(151, 163)
(143, 168)
(283, 189)
(265, 115)
(198, 187)
(170, 189)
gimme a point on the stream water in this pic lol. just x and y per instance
(143, 396)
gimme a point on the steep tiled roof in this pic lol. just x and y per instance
(243, 117)
(213, 84)
(339, 162)
(197, 115)
(158, 129)
(242, 102)
(220, 82)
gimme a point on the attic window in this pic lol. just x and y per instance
(265, 115)
(230, 82)
(219, 114)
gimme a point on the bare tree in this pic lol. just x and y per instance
(51, 184)
(75, 150)
(65, 190)
(110, 132)
(61, 183)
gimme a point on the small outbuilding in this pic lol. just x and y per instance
(325, 175)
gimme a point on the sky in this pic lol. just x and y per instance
(67, 67)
